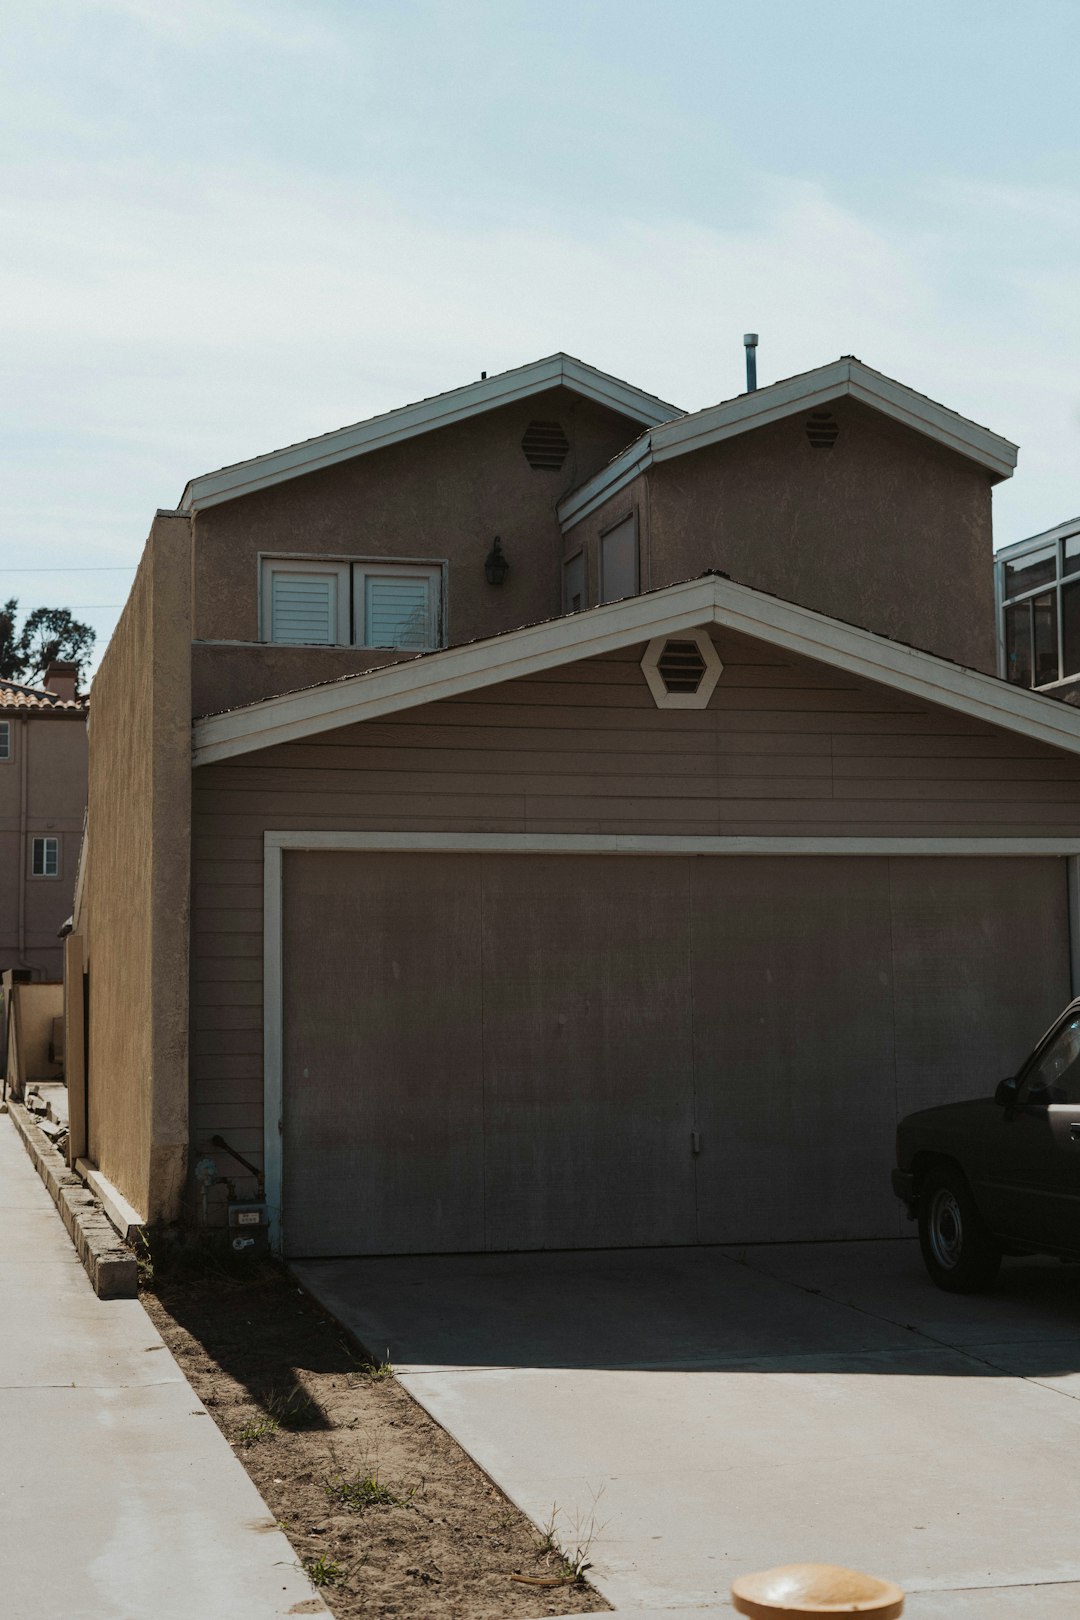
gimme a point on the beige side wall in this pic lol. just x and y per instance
(48, 751)
(134, 915)
(787, 747)
(32, 1008)
(442, 496)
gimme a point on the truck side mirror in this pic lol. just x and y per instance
(1007, 1092)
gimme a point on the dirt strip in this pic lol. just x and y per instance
(383, 1508)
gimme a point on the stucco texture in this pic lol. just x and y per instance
(885, 529)
(135, 904)
(441, 497)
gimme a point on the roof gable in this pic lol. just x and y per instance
(558, 370)
(712, 600)
(847, 377)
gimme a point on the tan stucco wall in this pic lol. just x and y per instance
(886, 530)
(53, 749)
(134, 916)
(32, 1011)
(442, 496)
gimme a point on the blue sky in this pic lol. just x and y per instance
(229, 225)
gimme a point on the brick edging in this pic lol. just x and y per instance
(111, 1267)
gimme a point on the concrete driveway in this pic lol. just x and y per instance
(730, 1409)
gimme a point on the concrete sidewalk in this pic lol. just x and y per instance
(119, 1497)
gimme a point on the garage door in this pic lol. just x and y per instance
(520, 1051)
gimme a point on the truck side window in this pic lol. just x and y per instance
(1055, 1078)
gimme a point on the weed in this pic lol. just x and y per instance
(376, 1372)
(290, 1406)
(573, 1543)
(365, 1490)
(323, 1571)
(260, 1428)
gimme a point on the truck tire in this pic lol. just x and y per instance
(959, 1253)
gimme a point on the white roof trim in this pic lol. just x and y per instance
(842, 377)
(558, 370)
(712, 600)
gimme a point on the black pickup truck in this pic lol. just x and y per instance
(998, 1175)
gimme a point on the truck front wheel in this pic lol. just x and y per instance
(959, 1253)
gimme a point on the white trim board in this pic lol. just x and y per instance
(557, 370)
(846, 377)
(709, 601)
(276, 843)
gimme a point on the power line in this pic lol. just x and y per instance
(113, 568)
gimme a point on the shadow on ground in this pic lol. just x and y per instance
(823, 1307)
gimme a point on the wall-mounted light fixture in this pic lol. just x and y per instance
(496, 566)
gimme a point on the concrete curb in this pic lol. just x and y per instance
(111, 1267)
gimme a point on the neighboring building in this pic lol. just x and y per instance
(42, 805)
(618, 902)
(1037, 585)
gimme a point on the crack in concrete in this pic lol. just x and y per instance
(968, 1352)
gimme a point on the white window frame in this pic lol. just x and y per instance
(44, 839)
(352, 574)
(372, 566)
(5, 742)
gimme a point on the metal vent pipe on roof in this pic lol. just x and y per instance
(750, 342)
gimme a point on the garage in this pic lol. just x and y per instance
(498, 1051)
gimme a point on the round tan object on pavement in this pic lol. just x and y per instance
(794, 1590)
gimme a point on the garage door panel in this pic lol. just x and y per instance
(981, 952)
(382, 1054)
(587, 1053)
(793, 1048)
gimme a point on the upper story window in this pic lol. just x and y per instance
(619, 561)
(311, 602)
(45, 857)
(574, 598)
(1039, 608)
(5, 739)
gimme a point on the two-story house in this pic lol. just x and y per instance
(42, 804)
(552, 819)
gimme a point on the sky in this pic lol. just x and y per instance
(226, 225)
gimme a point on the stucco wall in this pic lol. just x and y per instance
(135, 910)
(886, 529)
(53, 748)
(442, 496)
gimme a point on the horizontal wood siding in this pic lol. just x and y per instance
(786, 747)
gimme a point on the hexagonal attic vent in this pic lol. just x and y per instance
(682, 671)
(822, 429)
(545, 445)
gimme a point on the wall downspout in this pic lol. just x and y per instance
(24, 765)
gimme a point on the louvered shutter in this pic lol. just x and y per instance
(303, 608)
(399, 611)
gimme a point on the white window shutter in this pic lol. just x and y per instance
(399, 611)
(303, 608)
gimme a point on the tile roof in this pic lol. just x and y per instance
(15, 696)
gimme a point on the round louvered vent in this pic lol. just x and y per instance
(681, 666)
(822, 429)
(545, 445)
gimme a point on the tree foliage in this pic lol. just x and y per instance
(49, 635)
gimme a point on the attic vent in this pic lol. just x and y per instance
(682, 671)
(681, 666)
(545, 445)
(822, 429)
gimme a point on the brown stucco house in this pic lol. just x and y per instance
(42, 805)
(625, 899)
